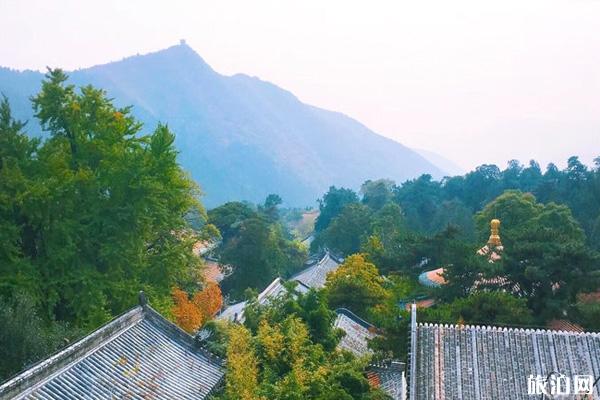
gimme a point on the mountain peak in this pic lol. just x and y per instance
(240, 137)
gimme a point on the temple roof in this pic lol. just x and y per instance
(358, 332)
(235, 312)
(315, 275)
(432, 278)
(475, 362)
(138, 355)
(388, 377)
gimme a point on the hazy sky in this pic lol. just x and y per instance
(476, 81)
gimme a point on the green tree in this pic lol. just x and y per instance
(332, 204)
(310, 307)
(280, 360)
(377, 194)
(388, 234)
(545, 256)
(96, 212)
(482, 308)
(229, 217)
(270, 207)
(242, 366)
(25, 336)
(589, 314)
(348, 230)
(419, 199)
(259, 253)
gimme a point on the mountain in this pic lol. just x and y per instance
(240, 137)
(448, 166)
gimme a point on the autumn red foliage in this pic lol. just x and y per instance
(191, 314)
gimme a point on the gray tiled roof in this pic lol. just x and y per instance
(235, 312)
(358, 332)
(312, 277)
(316, 275)
(475, 362)
(390, 378)
(139, 355)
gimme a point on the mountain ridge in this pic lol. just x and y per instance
(240, 137)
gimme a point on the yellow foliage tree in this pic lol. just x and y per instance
(271, 341)
(242, 366)
(356, 285)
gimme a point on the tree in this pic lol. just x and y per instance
(310, 307)
(419, 199)
(17, 190)
(258, 254)
(482, 308)
(355, 285)
(513, 208)
(377, 193)
(332, 204)
(187, 314)
(388, 234)
(545, 258)
(348, 230)
(25, 336)
(209, 300)
(589, 314)
(242, 366)
(191, 313)
(280, 361)
(455, 213)
(229, 217)
(95, 212)
(530, 177)
(270, 207)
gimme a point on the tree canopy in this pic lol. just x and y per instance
(93, 212)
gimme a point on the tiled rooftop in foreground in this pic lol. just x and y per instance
(138, 355)
(478, 362)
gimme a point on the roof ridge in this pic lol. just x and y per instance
(354, 317)
(179, 334)
(496, 328)
(44, 369)
(63, 359)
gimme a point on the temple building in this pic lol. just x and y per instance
(486, 362)
(313, 276)
(139, 355)
(235, 312)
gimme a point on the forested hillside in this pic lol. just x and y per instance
(241, 137)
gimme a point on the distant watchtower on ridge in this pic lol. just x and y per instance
(182, 42)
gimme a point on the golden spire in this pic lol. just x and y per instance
(494, 240)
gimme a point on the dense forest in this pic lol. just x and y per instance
(100, 209)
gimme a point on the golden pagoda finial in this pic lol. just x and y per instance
(494, 240)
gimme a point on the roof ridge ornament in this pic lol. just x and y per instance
(143, 299)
